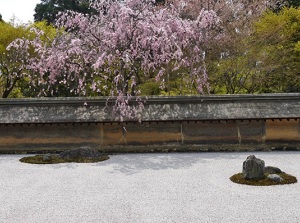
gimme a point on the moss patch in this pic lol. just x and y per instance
(287, 179)
(38, 159)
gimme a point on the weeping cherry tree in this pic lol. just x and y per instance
(112, 50)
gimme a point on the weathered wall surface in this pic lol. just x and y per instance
(225, 107)
(251, 134)
(179, 123)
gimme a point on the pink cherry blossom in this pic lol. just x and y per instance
(109, 50)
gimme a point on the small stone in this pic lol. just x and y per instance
(275, 178)
(253, 168)
(47, 157)
(272, 170)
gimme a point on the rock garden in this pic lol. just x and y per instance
(257, 174)
(78, 155)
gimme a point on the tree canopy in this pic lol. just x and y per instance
(127, 48)
(111, 51)
(277, 40)
(11, 68)
(13, 62)
(49, 9)
(256, 53)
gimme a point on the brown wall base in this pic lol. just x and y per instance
(182, 136)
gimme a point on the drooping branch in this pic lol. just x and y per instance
(126, 40)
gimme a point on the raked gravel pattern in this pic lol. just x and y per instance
(174, 187)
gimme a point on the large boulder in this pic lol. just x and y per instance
(82, 152)
(253, 168)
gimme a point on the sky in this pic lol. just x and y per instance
(23, 10)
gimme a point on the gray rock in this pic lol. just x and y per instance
(275, 178)
(47, 157)
(272, 170)
(253, 168)
(82, 152)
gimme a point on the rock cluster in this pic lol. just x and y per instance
(82, 152)
(254, 168)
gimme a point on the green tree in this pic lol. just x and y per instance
(15, 78)
(10, 61)
(258, 58)
(48, 9)
(236, 70)
(276, 43)
(294, 3)
(278, 5)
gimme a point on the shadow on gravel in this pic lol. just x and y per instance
(135, 163)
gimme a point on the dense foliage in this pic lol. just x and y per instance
(124, 43)
(15, 75)
(276, 43)
(48, 10)
(11, 61)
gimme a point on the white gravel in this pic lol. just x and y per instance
(182, 187)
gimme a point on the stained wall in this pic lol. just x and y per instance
(171, 123)
(112, 137)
